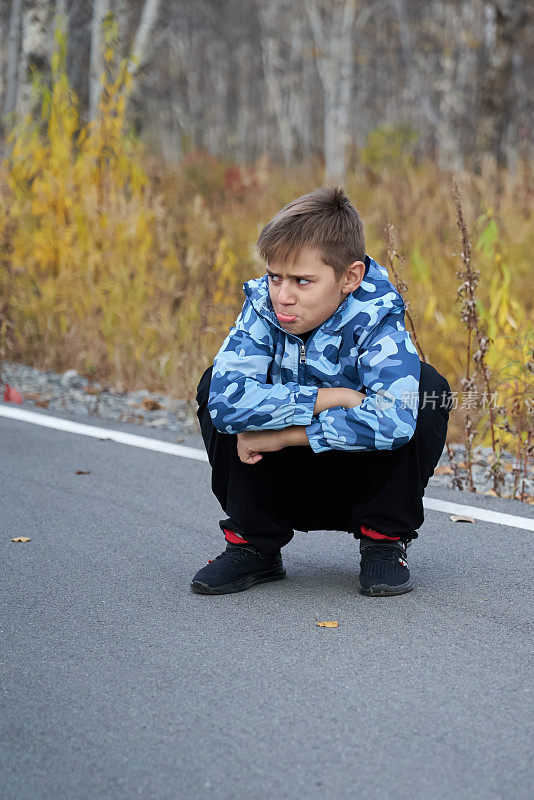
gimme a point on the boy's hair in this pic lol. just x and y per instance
(323, 219)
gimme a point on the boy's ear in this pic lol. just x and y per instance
(353, 276)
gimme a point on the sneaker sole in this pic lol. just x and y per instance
(239, 586)
(383, 590)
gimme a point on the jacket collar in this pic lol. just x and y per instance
(366, 306)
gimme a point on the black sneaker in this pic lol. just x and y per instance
(384, 569)
(238, 568)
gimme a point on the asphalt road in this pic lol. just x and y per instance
(118, 682)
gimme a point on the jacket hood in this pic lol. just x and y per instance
(374, 298)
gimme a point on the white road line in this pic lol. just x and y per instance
(102, 433)
(485, 514)
(159, 446)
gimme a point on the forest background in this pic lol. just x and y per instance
(143, 146)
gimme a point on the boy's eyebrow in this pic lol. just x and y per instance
(290, 275)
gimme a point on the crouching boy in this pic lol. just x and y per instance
(317, 413)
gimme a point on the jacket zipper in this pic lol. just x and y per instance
(302, 360)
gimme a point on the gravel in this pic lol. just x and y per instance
(72, 393)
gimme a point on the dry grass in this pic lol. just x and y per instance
(131, 272)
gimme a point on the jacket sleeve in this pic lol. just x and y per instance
(389, 368)
(240, 397)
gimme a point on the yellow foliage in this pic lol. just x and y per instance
(132, 271)
(83, 256)
(511, 335)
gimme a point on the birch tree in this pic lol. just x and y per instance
(276, 72)
(295, 79)
(120, 9)
(13, 49)
(96, 65)
(141, 45)
(62, 14)
(34, 57)
(331, 24)
(498, 96)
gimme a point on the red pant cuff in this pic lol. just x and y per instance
(371, 534)
(233, 537)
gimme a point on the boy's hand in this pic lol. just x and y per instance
(251, 444)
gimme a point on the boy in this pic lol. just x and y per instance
(312, 414)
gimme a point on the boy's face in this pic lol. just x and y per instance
(306, 293)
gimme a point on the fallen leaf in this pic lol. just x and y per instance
(37, 399)
(83, 472)
(444, 470)
(136, 419)
(492, 493)
(21, 539)
(11, 395)
(328, 623)
(151, 405)
(460, 518)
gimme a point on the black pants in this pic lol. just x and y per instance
(332, 490)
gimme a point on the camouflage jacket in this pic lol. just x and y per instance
(264, 378)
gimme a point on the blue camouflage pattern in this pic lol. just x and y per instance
(260, 382)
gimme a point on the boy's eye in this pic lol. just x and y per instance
(300, 281)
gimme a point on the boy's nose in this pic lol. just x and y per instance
(285, 295)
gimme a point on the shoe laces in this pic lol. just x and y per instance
(384, 552)
(233, 552)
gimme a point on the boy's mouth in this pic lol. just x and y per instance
(286, 317)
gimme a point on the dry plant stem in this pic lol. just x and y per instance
(468, 384)
(469, 315)
(457, 482)
(524, 449)
(468, 311)
(6, 326)
(393, 256)
(517, 467)
(528, 449)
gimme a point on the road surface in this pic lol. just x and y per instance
(118, 682)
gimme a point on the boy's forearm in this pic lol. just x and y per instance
(337, 396)
(251, 404)
(295, 436)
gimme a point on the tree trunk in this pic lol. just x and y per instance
(96, 66)
(13, 46)
(275, 73)
(332, 29)
(497, 94)
(120, 8)
(141, 45)
(35, 55)
(62, 11)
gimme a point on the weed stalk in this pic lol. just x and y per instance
(469, 316)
